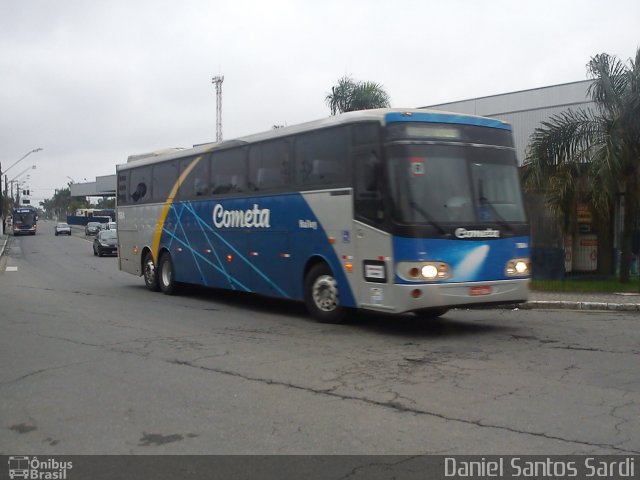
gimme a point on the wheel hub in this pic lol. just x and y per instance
(325, 293)
(149, 271)
(166, 273)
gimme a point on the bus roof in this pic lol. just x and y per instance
(382, 115)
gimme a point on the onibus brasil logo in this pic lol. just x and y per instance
(33, 468)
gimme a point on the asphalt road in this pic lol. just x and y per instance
(91, 363)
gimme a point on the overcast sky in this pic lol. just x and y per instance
(94, 81)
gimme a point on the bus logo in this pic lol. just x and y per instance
(30, 467)
(250, 218)
(488, 233)
(18, 467)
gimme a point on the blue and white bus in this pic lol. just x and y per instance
(386, 210)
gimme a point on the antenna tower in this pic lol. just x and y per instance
(217, 81)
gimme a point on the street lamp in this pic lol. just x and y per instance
(32, 167)
(35, 150)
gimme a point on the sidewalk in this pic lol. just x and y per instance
(622, 302)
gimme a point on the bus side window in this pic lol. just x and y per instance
(139, 182)
(165, 176)
(229, 171)
(269, 165)
(197, 182)
(321, 158)
(368, 199)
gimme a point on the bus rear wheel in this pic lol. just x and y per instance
(321, 295)
(150, 273)
(166, 275)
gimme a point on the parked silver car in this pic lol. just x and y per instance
(62, 229)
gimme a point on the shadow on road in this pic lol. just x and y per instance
(449, 325)
(407, 325)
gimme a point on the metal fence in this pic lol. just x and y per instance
(557, 256)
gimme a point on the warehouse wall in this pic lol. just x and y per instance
(524, 110)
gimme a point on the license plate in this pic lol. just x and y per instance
(481, 290)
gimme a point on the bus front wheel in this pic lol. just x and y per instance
(150, 273)
(321, 295)
(166, 275)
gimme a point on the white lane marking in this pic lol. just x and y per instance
(11, 269)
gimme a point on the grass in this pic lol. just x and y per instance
(586, 286)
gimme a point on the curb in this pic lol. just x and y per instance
(566, 305)
(3, 243)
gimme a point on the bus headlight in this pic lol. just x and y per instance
(517, 267)
(421, 271)
(429, 272)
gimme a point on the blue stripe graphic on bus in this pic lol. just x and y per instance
(446, 118)
(184, 241)
(470, 260)
(249, 244)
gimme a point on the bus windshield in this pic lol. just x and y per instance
(24, 217)
(441, 184)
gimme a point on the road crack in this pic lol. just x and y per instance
(42, 370)
(395, 405)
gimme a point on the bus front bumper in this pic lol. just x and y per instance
(412, 297)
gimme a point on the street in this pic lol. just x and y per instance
(93, 363)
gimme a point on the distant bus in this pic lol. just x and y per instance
(24, 220)
(383, 210)
(96, 212)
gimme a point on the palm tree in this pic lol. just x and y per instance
(349, 95)
(594, 154)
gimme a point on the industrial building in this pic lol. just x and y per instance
(525, 109)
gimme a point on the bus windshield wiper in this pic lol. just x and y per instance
(484, 201)
(427, 217)
(496, 216)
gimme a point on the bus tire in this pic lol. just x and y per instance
(433, 312)
(321, 295)
(150, 273)
(166, 275)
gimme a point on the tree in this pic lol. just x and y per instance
(62, 204)
(104, 203)
(594, 154)
(349, 95)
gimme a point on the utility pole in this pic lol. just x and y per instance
(217, 81)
